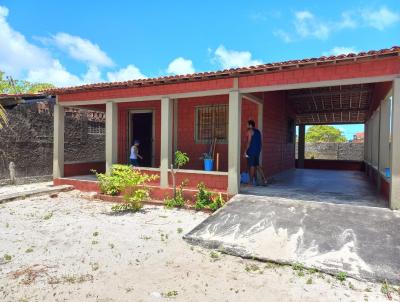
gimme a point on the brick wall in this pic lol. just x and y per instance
(186, 130)
(278, 154)
(379, 67)
(335, 151)
(28, 141)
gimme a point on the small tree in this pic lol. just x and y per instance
(177, 200)
(181, 159)
(324, 134)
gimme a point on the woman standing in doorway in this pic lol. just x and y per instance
(135, 156)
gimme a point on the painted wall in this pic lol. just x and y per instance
(278, 154)
(379, 93)
(186, 130)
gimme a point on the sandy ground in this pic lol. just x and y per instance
(71, 249)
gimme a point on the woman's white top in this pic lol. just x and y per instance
(133, 153)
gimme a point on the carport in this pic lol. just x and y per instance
(364, 182)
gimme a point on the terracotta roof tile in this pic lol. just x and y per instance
(263, 68)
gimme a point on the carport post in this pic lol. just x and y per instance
(301, 146)
(395, 152)
(58, 142)
(234, 126)
(166, 140)
(111, 135)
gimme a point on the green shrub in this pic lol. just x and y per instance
(206, 200)
(178, 201)
(125, 179)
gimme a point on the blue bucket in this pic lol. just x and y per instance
(387, 172)
(208, 164)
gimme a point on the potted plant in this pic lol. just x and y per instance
(208, 161)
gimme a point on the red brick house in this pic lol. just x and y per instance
(187, 112)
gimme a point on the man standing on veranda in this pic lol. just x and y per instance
(253, 149)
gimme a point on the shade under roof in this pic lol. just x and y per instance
(331, 105)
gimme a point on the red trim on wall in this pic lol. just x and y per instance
(324, 73)
(215, 182)
(81, 185)
(326, 164)
(148, 90)
(74, 169)
(385, 188)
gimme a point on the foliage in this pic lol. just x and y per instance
(181, 159)
(206, 156)
(324, 134)
(178, 201)
(123, 178)
(341, 276)
(206, 200)
(10, 86)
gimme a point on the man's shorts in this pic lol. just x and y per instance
(253, 160)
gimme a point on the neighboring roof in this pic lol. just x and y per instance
(235, 72)
(14, 99)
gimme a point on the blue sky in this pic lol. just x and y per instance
(76, 42)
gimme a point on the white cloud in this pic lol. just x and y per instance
(380, 19)
(82, 49)
(180, 66)
(339, 50)
(15, 51)
(307, 25)
(53, 73)
(232, 58)
(130, 72)
(348, 20)
(22, 59)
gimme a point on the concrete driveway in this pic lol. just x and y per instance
(362, 241)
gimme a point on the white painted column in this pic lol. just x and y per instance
(234, 141)
(58, 142)
(301, 146)
(384, 134)
(395, 151)
(166, 140)
(111, 135)
(175, 128)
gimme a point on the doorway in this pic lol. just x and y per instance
(142, 129)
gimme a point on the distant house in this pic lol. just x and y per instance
(358, 138)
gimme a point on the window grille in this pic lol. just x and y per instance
(211, 122)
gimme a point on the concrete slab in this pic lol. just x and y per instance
(340, 187)
(362, 241)
(19, 193)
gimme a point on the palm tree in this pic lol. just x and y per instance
(3, 118)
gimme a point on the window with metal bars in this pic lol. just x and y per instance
(211, 123)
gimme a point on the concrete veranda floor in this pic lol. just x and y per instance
(333, 186)
(330, 220)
